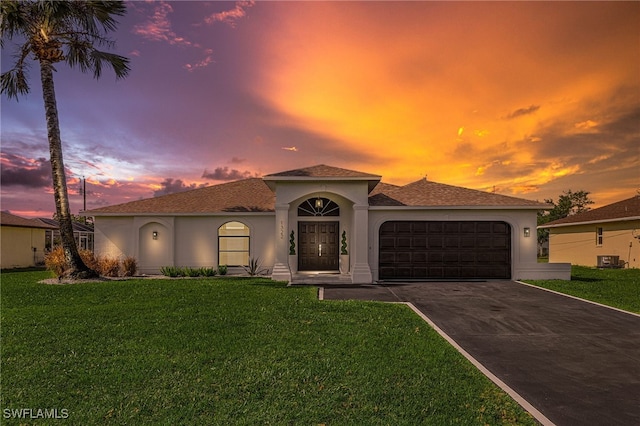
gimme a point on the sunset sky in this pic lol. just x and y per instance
(527, 99)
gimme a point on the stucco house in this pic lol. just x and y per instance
(299, 221)
(22, 241)
(608, 236)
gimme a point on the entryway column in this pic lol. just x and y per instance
(361, 272)
(281, 271)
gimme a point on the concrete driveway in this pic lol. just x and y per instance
(575, 362)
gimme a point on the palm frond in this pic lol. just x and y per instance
(14, 83)
(119, 64)
(76, 27)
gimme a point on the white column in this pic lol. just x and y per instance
(281, 271)
(361, 272)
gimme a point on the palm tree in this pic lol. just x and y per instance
(53, 31)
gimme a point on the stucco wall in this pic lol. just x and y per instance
(114, 236)
(577, 244)
(17, 246)
(180, 241)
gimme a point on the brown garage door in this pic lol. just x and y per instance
(445, 250)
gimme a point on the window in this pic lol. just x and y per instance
(598, 236)
(318, 207)
(233, 244)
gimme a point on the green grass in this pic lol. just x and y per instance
(619, 288)
(231, 351)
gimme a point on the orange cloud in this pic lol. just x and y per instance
(394, 79)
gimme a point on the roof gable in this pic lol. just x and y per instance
(323, 171)
(628, 209)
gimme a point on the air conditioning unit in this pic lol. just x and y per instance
(608, 261)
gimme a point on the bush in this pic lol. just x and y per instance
(208, 272)
(89, 259)
(55, 261)
(222, 269)
(192, 272)
(129, 266)
(103, 265)
(170, 271)
(108, 266)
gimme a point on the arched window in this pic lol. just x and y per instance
(318, 207)
(233, 244)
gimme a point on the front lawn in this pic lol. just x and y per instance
(619, 288)
(230, 351)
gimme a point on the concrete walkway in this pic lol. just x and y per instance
(577, 363)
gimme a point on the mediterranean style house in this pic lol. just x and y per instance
(324, 219)
(608, 236)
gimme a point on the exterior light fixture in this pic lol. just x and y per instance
(527, 232)
(319, 203)
(155, 235)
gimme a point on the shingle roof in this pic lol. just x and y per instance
(323, 171)
(628, 209)
(8, 219)
(254, 195)
(248, 195)
(433, 194)
(77, 226)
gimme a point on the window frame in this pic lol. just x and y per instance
(246, 237)
(599, 236)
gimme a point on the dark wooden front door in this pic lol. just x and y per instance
(318, 246)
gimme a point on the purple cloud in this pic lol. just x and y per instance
(170, 186)
(22, 171)
(231, 16)
(223, 173)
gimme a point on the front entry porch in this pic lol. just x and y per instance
(311, 278)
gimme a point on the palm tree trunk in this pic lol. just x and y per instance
(77, 268)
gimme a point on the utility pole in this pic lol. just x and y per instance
(83, 190)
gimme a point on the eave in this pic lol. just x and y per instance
(591, 222)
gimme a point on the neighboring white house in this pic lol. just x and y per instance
(22, 241)
(420, 231)
(608, 236)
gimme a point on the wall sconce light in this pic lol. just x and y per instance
(155, 235)
(319, 203)
(527, 232)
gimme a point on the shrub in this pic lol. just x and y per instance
(89, 259)
(170, 271)
(129, 266)
(222, 269)
(108, 266)
(103, 265)
(55, 261)
(191, 272)
(254, 267)
(208, 272)
(292, 243)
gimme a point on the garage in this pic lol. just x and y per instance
(436, 250)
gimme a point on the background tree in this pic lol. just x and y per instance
(568, 204)
(52, 32)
